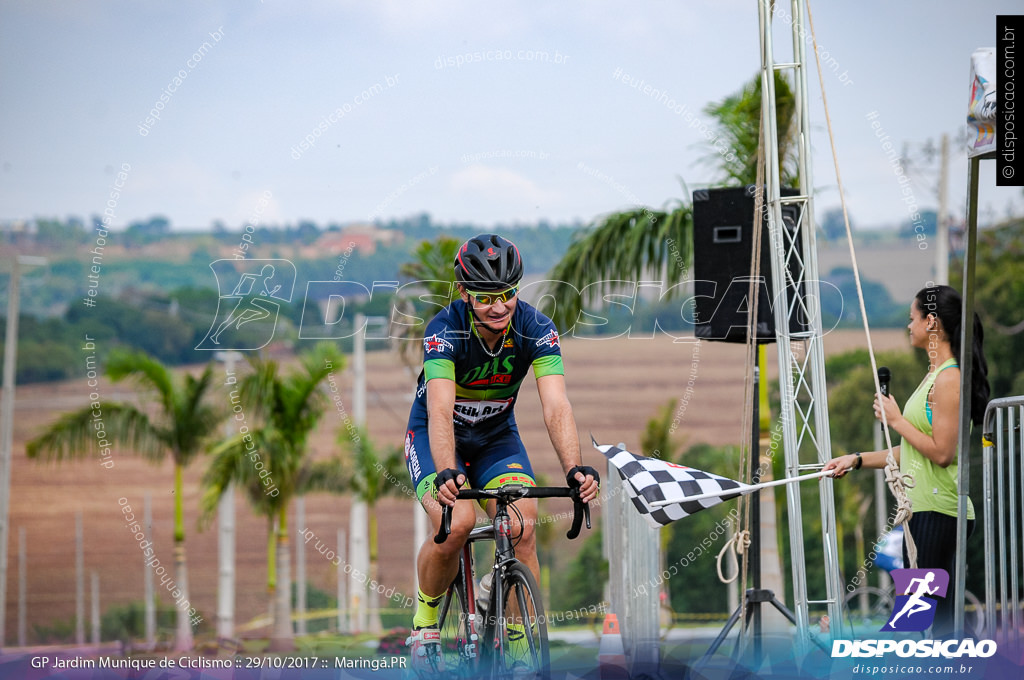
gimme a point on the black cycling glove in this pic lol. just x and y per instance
(570, 476)
(443, 476)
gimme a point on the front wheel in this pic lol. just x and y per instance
(520, 644)
(459, 644)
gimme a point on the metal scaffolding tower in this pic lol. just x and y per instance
(804, 404)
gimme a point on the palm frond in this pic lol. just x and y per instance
(738, 118)
(145, 370)
(257, 388)
(232, 460)
(328, 476)
(433, 266)
(195, 420)
(78, 434)
(371, 473)
(620, 250)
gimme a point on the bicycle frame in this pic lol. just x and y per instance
(504, 553)
(484, 629)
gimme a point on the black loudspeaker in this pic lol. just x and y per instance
(723, 240)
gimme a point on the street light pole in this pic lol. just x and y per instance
(7, 421)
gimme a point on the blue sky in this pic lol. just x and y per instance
(399, 126)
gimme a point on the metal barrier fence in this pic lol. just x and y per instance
(1003, 476)
(631, 547)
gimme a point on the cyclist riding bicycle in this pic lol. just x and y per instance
(462, 428)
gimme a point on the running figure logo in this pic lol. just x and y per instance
(914, 610)
(247, 315)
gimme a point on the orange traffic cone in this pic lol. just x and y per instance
(610, 655)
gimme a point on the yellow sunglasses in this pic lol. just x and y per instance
(491, 298)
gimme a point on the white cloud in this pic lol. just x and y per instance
(499, 184)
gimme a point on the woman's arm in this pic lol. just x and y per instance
(869, 459)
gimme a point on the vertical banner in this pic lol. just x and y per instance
(1009, 34)
(981, 110)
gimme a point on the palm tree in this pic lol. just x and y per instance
(371, 475)
(739, 124)
(433, 269)
(626, 246)
(271, 462)
(182, 426)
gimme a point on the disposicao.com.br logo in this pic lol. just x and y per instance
(914, 611)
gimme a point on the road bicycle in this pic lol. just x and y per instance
(505, 635)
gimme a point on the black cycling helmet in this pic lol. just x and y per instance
(488, 262)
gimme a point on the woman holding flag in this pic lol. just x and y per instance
(929, 426)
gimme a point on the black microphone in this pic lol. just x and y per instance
(884, 376)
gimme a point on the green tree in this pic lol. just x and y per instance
(181, 427)
(851, 392)
(271, 461)
(583, 582)
(695, 587)
(432, 268)
(739, 122)
(999, 299)
(833, 226)
(624, 247)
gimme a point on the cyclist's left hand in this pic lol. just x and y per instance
(587, 479)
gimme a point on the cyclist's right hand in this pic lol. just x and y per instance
(586, 479)
(447, 483)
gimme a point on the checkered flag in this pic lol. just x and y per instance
(651, 482)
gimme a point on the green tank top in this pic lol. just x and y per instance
(935, 487)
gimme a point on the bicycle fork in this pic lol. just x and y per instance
(472, 646)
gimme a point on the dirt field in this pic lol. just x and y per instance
(615, 386)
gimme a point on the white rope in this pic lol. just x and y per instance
(897, 482)
(738, 543)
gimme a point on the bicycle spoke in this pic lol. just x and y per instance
(458, 648)
(523, 632)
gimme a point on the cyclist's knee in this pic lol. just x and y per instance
(462, 524)
(527, 527)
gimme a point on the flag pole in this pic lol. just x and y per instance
(742, 490)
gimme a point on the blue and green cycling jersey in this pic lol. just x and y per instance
(486, 387)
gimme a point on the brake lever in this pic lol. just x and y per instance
(446, 525)
(577, 516)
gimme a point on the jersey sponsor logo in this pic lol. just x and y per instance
(551, 339)
(500, 379)
(435, 343)
(496, 371)
(515, 479)
(410, 454)
(514, 466)
(472, 412)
